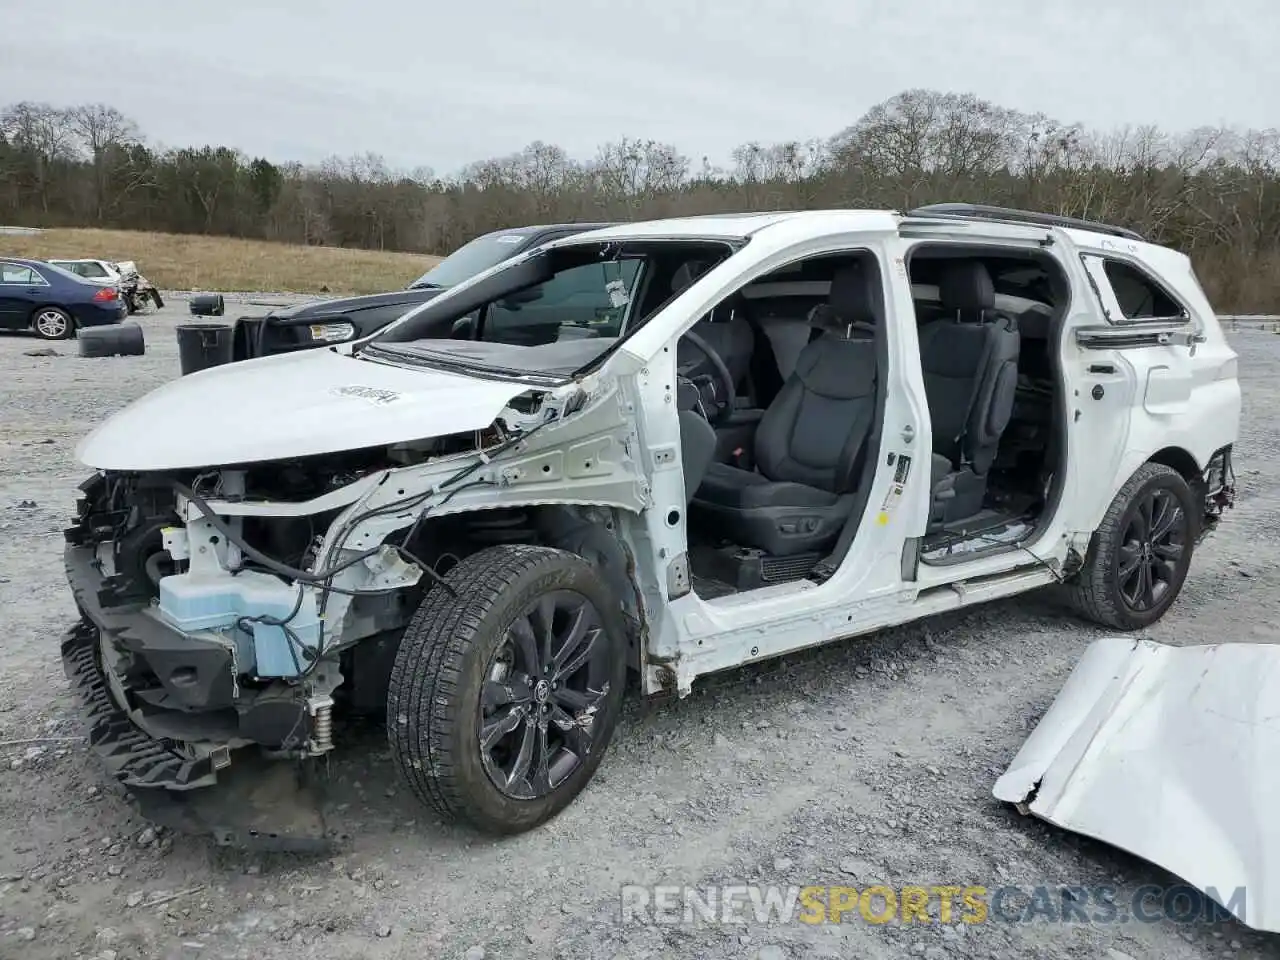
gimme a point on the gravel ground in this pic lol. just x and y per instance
(870, 761)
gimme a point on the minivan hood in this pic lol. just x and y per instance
(317, 309)
(290, 405)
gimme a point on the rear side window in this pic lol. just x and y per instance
(1129, 293)
(18, 273)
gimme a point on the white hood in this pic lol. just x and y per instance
(291, 405)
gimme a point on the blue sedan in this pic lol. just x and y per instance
(53, 302)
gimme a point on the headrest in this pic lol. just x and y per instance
(850, 304)
(686, 274)
(966, 286)
(850, 295)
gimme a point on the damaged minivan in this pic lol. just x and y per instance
(644, 453)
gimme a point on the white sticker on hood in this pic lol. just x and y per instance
(372, 394)
(509, 238)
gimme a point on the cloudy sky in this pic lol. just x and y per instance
(439, 84)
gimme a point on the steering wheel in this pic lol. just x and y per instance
(723, 396)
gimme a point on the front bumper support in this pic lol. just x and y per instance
(255, 803)
(239, 798)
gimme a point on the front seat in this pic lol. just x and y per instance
(812, 442)
(724, 329)
(969, 359)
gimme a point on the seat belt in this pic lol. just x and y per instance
(963, 435)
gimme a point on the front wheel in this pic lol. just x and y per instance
(1141, 552)
(52, 323)
(504, 696)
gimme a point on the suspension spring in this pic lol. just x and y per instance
(321, 710)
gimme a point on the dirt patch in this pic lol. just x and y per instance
(869, 761)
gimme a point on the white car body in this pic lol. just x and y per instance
(607, 444)
(97, 271)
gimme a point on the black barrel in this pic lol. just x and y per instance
(203, 345)
(115, 340)
(207, 305)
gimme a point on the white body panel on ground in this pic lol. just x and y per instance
(1170, 753)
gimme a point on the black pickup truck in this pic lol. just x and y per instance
(324, 322)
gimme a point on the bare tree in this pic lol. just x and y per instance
(102, 131)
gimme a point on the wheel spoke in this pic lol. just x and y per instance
(523, 632)
(1146, 596)
(540, 778)
(1168, 552)
(1166, 519)
(584, 620)
(575, 701)
(499, 727)
(543, 620)
(524, 756)
(497, 694)
(1142, 519)
(575, 731)
(581, 657)
(1130, 555)
(1131, 586)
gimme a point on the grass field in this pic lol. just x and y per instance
(191, 262)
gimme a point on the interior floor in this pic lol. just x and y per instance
(767, 507)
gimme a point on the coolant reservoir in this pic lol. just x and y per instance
(193, 604)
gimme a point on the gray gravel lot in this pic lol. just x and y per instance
(870, 761)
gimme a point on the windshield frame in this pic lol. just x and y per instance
(382, 347)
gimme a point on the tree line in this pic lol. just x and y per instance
(1213, 193)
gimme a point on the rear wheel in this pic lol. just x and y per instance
(504, 697)
(52, 323)
(1141, 552)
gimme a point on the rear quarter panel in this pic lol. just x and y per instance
(1162, 418)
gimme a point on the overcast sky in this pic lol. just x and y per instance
(439, 84)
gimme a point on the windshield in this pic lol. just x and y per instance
(471, 258)
(551, 313)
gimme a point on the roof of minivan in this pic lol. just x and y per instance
(739, 226)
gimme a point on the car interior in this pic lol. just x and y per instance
(780, 392)
(780, 409)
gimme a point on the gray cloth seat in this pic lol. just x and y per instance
(724, 329)
(811, 443)
(970, 363)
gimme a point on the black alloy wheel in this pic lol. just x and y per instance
(542, 691)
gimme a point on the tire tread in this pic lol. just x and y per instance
(422, 703)
(1089, 592)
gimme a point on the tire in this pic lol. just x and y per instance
(1102, 590)
(155, 295)
(458, 648)
(52, 323)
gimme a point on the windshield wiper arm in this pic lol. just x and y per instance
(430, 358)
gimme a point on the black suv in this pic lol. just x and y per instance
(324, 322)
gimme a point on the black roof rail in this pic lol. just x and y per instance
(979, 211)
